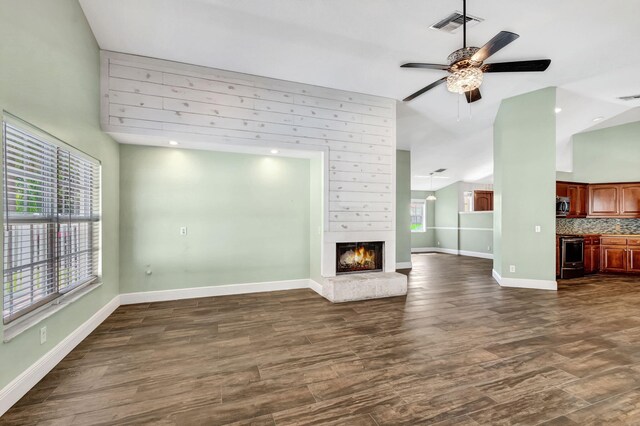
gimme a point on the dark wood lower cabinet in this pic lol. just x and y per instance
(613, 258)
(591, 255)
(633, 259)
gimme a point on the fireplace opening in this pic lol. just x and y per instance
(359, 257)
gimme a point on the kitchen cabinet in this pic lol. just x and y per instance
(604, 200)
(591, 254)
(562, 189)
(630, 200)
(482, 201)
(614, 200)
(577, 194)
(620, 254)
(633, 255)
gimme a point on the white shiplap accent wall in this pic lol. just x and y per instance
(145, 96)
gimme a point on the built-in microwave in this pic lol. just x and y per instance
(562, 206)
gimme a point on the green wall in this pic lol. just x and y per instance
(476, 232)
(424, 239)
(50, 78)
(524, 186)
(247, 218)
(606, 155)
(403, 201)
(447, 206)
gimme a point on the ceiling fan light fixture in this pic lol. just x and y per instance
(464, 80)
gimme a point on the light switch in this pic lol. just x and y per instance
(537, 228)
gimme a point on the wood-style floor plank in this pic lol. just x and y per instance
(457, 350)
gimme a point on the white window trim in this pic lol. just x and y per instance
(35, 317)
(23, 323)
(424, 215)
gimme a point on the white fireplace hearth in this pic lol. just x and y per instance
(363, 286)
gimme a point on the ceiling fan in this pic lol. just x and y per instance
(467, 67)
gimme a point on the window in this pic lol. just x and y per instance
(418, 216)
(51, 219)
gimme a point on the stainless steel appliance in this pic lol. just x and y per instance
(571, 257)
(562, 206)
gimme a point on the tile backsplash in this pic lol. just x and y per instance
(597, 226)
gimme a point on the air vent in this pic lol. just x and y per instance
(629, 98)
(452, 23)
(439, 170)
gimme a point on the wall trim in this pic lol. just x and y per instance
(315, 286)
(524, 282)
(452, 251)
(209, 291)
(404, 265)
(19, 386)
(455, 228)
(476, 254)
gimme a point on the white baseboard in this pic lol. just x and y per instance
(524, 282)
(19, 386)
(452, 251)
(315, 286)
(476, 254)
(209, 291)
(404, 265)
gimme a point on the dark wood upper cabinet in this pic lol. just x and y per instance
(614, 200)
(578, 196)
(630, 199)
(562, 189)
(604, 200)
(482, 201)
(578, 200)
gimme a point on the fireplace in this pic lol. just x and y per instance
(359, 257)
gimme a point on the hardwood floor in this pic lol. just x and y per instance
(458, 350)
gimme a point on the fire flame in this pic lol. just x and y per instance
(360, 258)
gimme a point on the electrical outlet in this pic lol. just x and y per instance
(488, 248)
(512, 268)
(43, 335)
(183, 230)
(537, 228)
(438, 242)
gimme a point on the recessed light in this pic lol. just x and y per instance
(274, 151)
(558, 109)
(174, 143)
(595, 120)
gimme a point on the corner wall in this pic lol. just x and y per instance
(524, 190)
(427, 238)
(403, 212)
(50, 78)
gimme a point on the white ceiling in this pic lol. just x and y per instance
(358, 45)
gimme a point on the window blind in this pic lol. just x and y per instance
(51, 220)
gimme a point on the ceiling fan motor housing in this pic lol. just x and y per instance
(461, 58)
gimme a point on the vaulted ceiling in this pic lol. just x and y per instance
(358, 45)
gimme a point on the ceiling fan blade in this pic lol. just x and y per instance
(424, 89)
(498, 42)
(473, 95)
(428, 66)
(519, 66)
